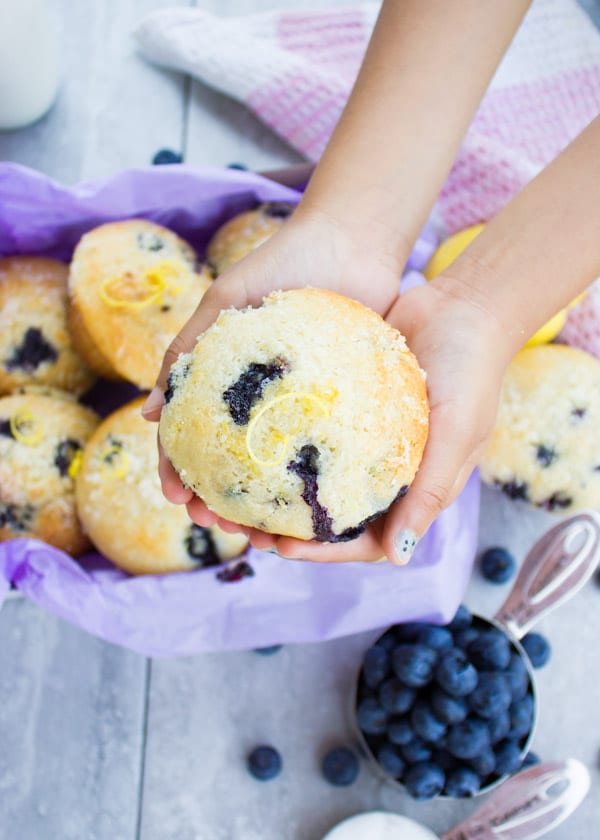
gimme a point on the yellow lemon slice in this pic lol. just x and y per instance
(26, 428)
(288, 411)
(450, 249)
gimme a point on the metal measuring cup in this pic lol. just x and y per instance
(528, 805)
(555, 568)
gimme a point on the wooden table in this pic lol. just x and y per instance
(98, 743)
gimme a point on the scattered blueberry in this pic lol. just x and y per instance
(462, 783)
(264, 763)
(537, 648)
(236, 165)
(530, 759)
(340, 766)
(517, 676)
(371, 716)
(484, 763)
(376, 665)
(234, 573)
(416, 750)
(400, 731)
(521, 717)
(395, 697)
(491, 695)
(462, 619)
(448, 708)
(424, 780)
(497, 565)
(490, 651)
(164, 156)
(414, 664)
(425, 722)
(268, 651)
(499, 726)
(390, 760)
(508, 757)
(455, 674)
(435, 637)
(467, 739)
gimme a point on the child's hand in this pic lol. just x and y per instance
(307, 251)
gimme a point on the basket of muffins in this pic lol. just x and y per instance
(278, 418)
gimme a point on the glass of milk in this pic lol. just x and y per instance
(29, 63)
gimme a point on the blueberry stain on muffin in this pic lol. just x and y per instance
(546, 455)
(579, 413)
(32, 352)
(148, 241)
(306, 467)
(67, 452)
(557, 501)
(113, 452)
(6, 429)
(200, 546)
(248, 389)
(172, 384)
(514, 489)
(16, 517)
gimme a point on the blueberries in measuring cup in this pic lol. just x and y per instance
(445, 710)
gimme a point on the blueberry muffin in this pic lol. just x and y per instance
(133, 285)
(545, 447)
(35, 344)
(245, 232)
(304, 417)
(41, 443)
(123, 510)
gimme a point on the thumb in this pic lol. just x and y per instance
(220, 295)
(447, 452)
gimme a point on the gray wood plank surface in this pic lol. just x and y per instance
(113, 109)
(71, 731)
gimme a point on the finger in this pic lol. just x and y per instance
(171, 484)
(222, 294)
(447, 450)
(200, 514)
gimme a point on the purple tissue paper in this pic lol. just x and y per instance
(189, 612)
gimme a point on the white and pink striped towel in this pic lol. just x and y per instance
(294, 69)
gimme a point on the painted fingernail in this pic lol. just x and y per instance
(404, 545)
(154, 401)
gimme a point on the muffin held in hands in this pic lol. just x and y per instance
(35, 344)
(545, 447)
(132, 285)
(305, 417)
(41, 441)
(124, 511)
(245, 232)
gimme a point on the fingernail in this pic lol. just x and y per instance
(154, 401)
(404, 545)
